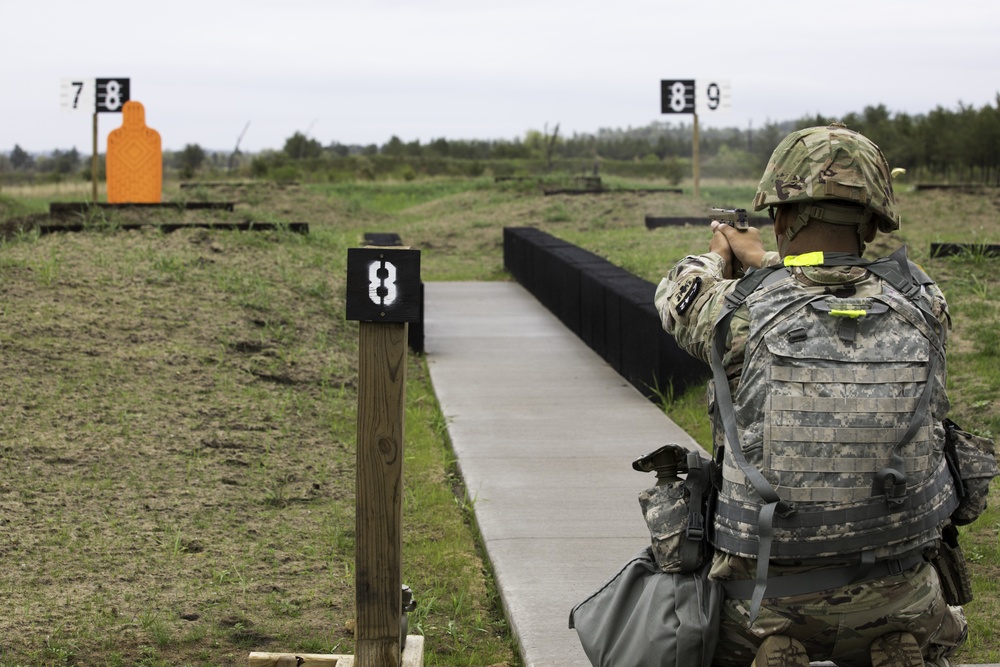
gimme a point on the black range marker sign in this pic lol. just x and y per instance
(112, 94)
(383, 284)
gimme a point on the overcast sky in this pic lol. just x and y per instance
(361, 71)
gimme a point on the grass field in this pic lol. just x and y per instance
(178, 413)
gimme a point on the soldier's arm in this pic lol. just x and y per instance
(690, 298)
(940, 308)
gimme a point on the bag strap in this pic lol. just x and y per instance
(724, 401)
(907, 278)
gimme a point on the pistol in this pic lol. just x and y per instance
(734, 217)
(737, 219)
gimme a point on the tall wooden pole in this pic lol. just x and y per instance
(93, 165)
(696, 150)
(381, 414)
(383, 295)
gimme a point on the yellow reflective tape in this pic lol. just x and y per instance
(808, 259)
(848, 313)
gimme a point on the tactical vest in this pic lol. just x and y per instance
(834, 443)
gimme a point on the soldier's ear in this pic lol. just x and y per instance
(780, 219)
(870, 235)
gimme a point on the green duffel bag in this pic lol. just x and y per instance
(644, 617)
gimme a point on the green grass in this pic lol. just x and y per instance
(179, 411)
(392, 198)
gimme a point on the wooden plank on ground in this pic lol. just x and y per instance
(261, 659)
(413, 656)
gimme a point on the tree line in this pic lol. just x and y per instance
(958, 145)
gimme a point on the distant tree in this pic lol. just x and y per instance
(414, 149)
(764, 140)
(542, 144)
(339, 149)
(58, 162)
(941, 141)
(985, 138)
(732, 163)
(909, 152)
(439, 147)
(299, 147)
(534, 141)
(510, 150)
(674, 170)
(66, 162)
(469, 150)
(365, 168)
(259, 167)
(191, 158)
(394, 147)
(20, 159)
(818, 120)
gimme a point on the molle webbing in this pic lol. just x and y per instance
(881, 505)
(854, 375)
(872, 523)
(839, 404)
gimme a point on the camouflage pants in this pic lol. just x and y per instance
(840, 624)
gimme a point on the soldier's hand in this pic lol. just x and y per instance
(720, 246)
(745, 246)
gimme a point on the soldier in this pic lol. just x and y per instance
(825, 556)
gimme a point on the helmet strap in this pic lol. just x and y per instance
(795, 226)
(830, 212)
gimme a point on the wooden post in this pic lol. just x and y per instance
(379, 544)
(696, 152)
(93, 166)
(383, 294)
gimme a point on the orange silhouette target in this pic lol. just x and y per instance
(134, 160)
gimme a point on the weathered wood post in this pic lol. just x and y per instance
(383, 294)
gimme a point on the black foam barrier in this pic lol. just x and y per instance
(610, 309)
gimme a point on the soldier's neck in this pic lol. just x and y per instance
(823, 238)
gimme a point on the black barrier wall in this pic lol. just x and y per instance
(610, 309)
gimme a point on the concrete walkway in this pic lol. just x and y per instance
(544, 431)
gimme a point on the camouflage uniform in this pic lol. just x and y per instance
(837, 624)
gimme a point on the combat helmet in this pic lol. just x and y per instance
(834, 174)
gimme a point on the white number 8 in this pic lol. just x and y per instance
(382, 283)
(677, 101)
(112, 96)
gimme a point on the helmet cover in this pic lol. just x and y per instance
(831, 164)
